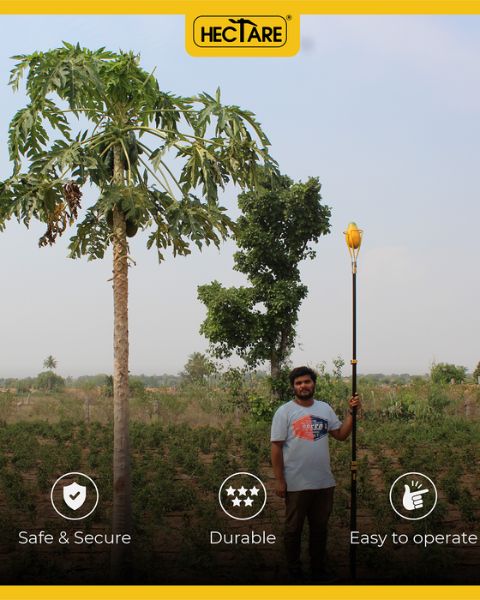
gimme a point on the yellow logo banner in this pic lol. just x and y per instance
(242, 34)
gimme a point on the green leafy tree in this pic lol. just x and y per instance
(446, 373)
(158, 162)
(198, 368)
(49, 381)
(280, 221)
(50, 363)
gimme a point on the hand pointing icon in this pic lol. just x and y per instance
(413, 496)
(413, 499)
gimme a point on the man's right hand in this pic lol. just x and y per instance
(281, 488)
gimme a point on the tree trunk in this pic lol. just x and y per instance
(274, 366)
(274, 373)
(277, 357)
(122, 505)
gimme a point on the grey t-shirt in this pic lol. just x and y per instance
(304, 431)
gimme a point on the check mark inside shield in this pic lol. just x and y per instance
(74, 495)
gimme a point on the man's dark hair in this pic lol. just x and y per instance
(300, 372)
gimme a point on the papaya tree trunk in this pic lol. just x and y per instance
(122, 504)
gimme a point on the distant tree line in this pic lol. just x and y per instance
(165, 380)
(391, 379)
(50, 381)
(199, 369)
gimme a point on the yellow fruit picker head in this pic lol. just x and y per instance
(353, 237)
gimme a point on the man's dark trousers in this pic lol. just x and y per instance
(316, 506)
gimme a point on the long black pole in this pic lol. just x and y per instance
(353, 466)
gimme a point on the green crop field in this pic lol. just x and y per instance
(185, 442)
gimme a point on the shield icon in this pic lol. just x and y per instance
(74, 495)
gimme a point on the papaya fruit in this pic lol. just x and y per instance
(131, 228)
(132, 148)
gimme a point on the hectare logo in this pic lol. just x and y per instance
(242, 35)
(226, 31)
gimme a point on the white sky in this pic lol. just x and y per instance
(385, 110)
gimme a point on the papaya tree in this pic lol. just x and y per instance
(158, 161)
(279, 223)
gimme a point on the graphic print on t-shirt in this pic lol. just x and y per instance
(310, 428)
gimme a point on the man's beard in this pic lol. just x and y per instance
(306, 395)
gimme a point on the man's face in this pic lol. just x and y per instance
(304, 387)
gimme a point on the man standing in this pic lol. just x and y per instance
(301, 465)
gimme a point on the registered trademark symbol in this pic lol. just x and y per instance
(289, 17)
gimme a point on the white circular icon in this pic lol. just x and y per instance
(240, 497)
(413, 496)
(74, 495)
